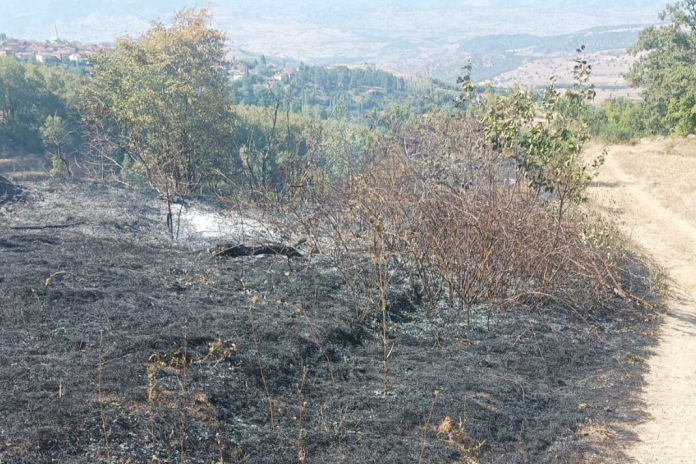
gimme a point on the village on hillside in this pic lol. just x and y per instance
(57, 51)
(54, 51)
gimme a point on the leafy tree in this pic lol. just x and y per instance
(617, 120)
(28, 94)
(56, 137)
(167, 98)
(548, 151)
(552, 150)
(666, 69)
(19, 117)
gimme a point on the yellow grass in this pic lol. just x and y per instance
(668, 164)
(22, 163)
(27, 175)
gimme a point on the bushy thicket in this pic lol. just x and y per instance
(618, 121)
(434, 200)
(31, 95)
(481, 204)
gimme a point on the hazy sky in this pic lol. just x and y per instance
(101, 20)
(425, 38)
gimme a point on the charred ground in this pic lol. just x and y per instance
(118, 343)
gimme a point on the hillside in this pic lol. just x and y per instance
(535, 69)
(120, 343)
(336, 91)
(433, 41)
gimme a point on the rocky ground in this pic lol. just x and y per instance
(119, 343)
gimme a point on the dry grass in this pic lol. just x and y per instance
(24, 168)
(27, 176)
(608, 67)
(22, 163)
(433, 203)
(592, 429)
(670, 167)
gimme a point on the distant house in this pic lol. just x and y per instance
(6, 52)
(76, 58)
(270, 81)
(238, 75)
(47, 59)
(24, 56)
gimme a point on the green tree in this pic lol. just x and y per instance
(28, 94)
(56, 137)
(617, 120)
(666, 69)
(167, 98)
(20, 89)
(549, 151)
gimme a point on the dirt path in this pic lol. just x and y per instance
(640, 187)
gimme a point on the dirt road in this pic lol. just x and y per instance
(650, 189)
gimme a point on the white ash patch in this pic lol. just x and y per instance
(201, 225)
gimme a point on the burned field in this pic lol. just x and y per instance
(119, 344)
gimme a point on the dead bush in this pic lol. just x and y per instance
(434, 205)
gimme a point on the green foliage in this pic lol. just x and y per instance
(468, 87)
(617, 121)
(58, 140)
(318, 90)
(28, 95)
(546, 137)
(666, 69)
(282, 152)
(165, 98)
(552, 150)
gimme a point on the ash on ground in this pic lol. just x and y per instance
(120, 344)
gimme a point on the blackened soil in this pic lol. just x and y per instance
(99, 312)
(8, 191)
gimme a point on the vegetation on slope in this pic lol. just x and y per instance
(29, 95)
(475, 215)
(478, 212)
(666, 71)
(338, 91)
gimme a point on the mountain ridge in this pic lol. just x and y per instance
(429, 41)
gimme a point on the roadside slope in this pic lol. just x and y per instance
(650, 189)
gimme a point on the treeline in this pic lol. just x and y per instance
(665, 69)
(157, 112)
(31, 97)
(344, 78)
(160, 110)
(620, 120)
(321, 91)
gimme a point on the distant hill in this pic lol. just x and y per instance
(429, 39)
(323, 91)
(498, 54)
(595, 39)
